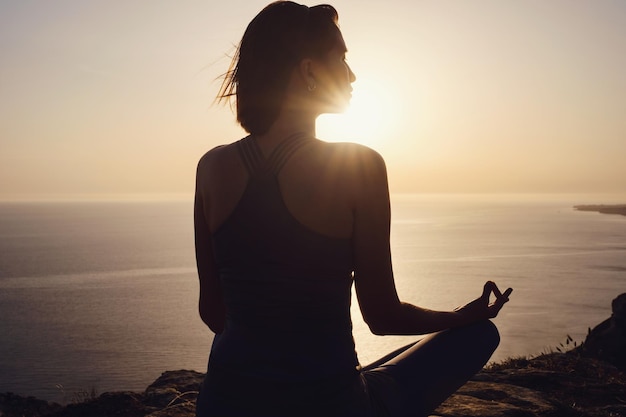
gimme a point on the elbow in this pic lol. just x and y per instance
(379, 326)
(215, 322)
(379, 331)
(385, 321)
(216, 326)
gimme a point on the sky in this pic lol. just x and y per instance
(483, 96)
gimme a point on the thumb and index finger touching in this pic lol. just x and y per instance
(501, 298)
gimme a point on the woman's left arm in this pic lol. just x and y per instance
(211, 303)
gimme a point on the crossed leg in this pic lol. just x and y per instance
(415, 379)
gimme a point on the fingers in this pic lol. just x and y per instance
(488, 288)
(483, 301)
(501, 298)
(496, 291)
(507, 293)
(500, 301)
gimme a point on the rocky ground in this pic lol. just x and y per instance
(555, 384)
(587, 381)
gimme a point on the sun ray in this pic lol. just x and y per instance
(366, 121)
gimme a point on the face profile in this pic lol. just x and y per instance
(291, 58)
(333, 80)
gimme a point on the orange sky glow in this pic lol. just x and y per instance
(116, 98)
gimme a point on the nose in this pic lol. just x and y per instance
(351, 75)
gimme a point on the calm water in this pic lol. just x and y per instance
(104, 295)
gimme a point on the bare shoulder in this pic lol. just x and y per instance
(352, 156)
(217, 160)
(354, 171)
(214, 156)
(362, 167)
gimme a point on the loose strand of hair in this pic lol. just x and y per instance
(228, 88)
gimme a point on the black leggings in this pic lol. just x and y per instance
(416, 379)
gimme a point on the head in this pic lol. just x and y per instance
(289, 53)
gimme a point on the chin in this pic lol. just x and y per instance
(338, 106)
(338, 103)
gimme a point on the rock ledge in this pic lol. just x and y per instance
(587, 381)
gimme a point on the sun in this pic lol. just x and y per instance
(368, 119)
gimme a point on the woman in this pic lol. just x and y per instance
(285, 223)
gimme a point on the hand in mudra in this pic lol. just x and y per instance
(482, 307)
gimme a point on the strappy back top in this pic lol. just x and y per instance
(286, 287)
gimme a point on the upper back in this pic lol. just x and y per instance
(318, 183)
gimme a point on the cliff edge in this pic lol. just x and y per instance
(586, 381)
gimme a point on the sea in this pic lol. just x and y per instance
(102, 295)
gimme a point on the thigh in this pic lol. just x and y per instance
(422, 375)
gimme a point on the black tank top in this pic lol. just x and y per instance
(286, 287)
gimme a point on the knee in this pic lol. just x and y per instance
(488, 333)
(483, 338)
(482, 335)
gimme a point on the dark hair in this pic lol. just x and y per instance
(281, 35)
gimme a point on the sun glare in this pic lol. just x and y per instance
(366, 121)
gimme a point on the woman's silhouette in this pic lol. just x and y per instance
(285, 223)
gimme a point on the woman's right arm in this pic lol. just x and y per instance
(211, 303)
(378, 300)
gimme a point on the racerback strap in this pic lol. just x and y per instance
(250, 154)
(254, 161)
(284, 150)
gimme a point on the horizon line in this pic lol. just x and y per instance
(181, 197)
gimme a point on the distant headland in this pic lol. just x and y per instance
(603, 208)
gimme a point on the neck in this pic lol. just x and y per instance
(289, 122)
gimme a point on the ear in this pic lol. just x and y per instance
(307, 71)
